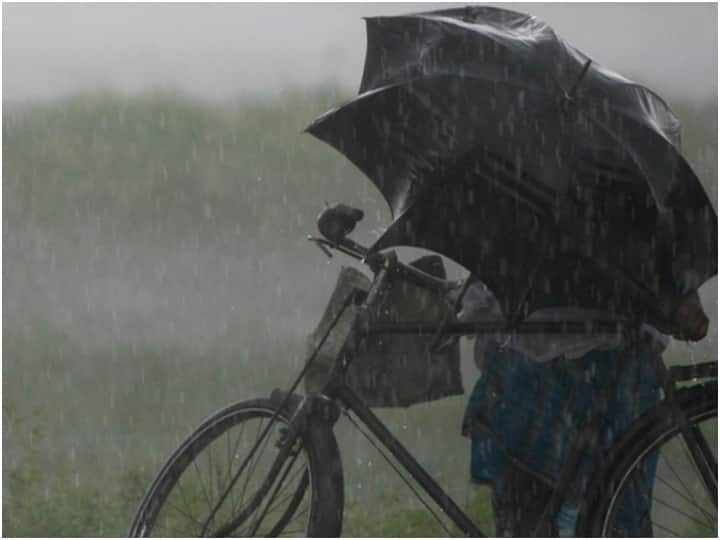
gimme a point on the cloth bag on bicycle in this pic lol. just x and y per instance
(388, 370)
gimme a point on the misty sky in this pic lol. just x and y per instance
(225, 50)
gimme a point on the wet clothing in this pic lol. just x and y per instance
(524, 416)
(479, 303)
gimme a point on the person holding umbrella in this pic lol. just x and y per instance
(554, 180)
(561, 186)
(534, 394)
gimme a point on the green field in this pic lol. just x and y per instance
(156, 269)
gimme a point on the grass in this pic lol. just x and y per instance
(396, 520)
(79, 457)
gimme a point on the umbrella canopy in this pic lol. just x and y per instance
(553, 179)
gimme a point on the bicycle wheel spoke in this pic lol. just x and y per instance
(274, 494)
(184, 514)
(701, 470)
(202, 484)
(255, 461)
(677, 492)
(300, 513)
(679, 479)
(289, 494)
(672, 532)
(681, 512)
(182, 492)
(229, 455)
(209, 460)
(697, 504)
(706, 451)
(230, 471)
(278, 503)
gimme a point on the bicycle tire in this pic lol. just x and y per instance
(317, 442)
(649, 434)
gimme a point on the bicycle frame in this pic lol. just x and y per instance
(338, 391)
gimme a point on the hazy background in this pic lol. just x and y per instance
(157, 191)
(222, 50)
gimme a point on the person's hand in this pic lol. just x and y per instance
(690, 322)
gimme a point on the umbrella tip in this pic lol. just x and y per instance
(311, 129)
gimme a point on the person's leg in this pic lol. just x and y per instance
(566, 520)
(518, 501)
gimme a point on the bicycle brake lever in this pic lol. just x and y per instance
(326, 251)
(321, 244)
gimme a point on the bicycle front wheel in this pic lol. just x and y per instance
(213, 485)
(662, 478)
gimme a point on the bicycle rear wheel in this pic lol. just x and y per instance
(661, 479)
(211, 487)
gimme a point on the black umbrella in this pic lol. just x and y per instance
(554, 180)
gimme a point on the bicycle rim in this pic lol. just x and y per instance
(661, 492)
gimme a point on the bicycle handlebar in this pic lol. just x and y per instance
(388, 260)
(337, 221)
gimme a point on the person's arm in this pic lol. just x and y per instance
(687, 321)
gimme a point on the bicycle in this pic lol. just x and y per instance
(274, 465)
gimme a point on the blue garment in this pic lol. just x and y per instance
(528, 414)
